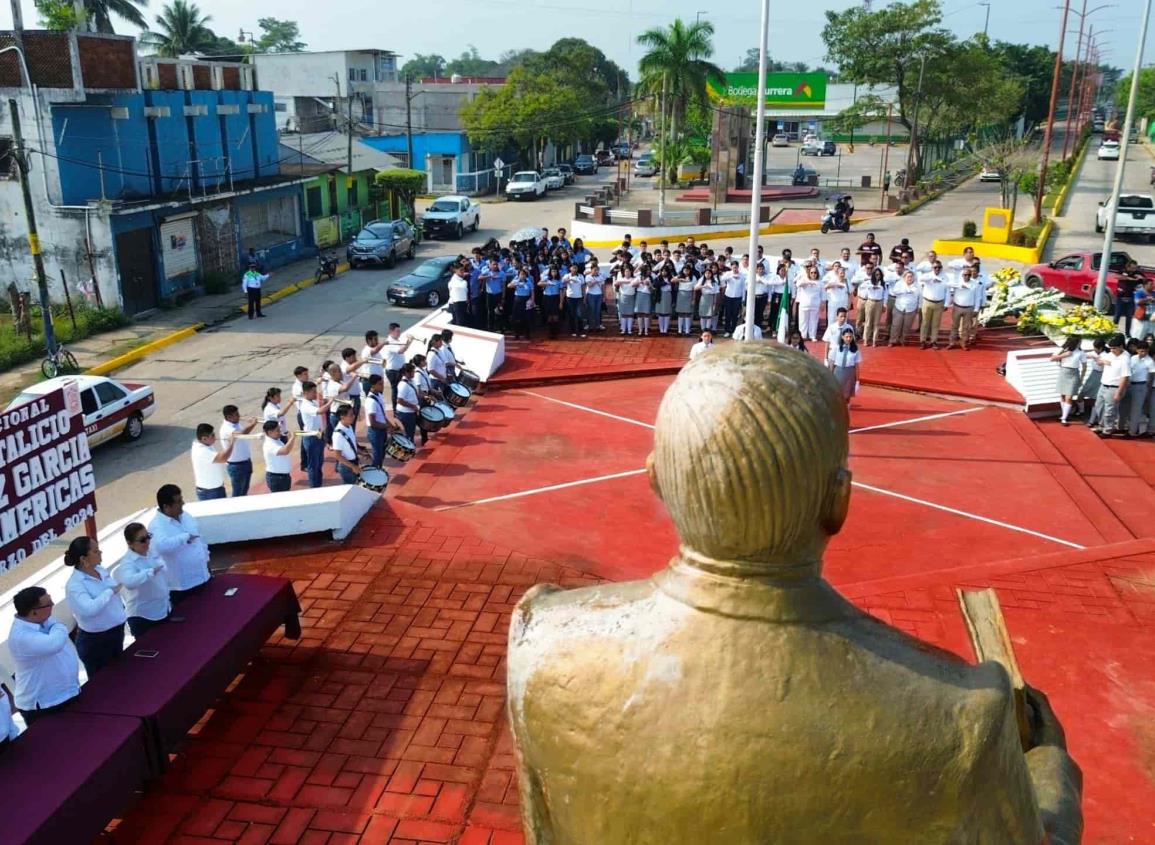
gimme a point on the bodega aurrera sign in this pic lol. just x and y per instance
(47, 485)
(783, 90)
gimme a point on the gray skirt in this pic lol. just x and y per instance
(644, 302)
(626, 304)
(1089, 389)
(1068, 381)
(845, 378)
(706, 305)
(685, 304)
(665, 302)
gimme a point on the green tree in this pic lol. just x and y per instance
(279, 36)
(402, 181)
(61, 14)
(470, 63)
(1145, 101)
(180, 29)
(58, 15)
(218, 45)
(423, 65)
(1033, 65)
(585, 67)
(749, 64)
(678, 58)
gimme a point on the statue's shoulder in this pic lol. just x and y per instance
(546, 607)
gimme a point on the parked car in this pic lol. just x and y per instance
(646, 165)
(1108, 151)
(525, 183)
(450, 217)
(111, 408)
(829, 148)
(381, 242)
(567, 173)
(780, 140)
(1098, 125)
(1076, 274)
(426, 286)
(811, 147)
(585, 164)
(554, 180)
(605, 158)
(1135, 215)
(622, 151)
(990, 174)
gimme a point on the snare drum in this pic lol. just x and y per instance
(430, 419)
(446, 410)
(458, 395)
(374, 479)
(400, 448)
(468, 378)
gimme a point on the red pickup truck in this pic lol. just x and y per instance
(1077, 273)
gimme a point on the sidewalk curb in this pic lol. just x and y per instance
(289, 290)
(1061, 199)
(142, 351)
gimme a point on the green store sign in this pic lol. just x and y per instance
(783, 90)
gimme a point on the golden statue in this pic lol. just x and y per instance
(735, 697)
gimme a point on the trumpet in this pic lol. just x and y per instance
(261, 435)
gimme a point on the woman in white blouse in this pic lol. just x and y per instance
(145, 580)
(836, 292)
(844, 360)
(809, 290)
(95, 601)
(271, 410)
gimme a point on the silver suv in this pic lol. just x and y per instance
(381, 242)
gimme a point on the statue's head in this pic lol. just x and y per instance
(750, 451)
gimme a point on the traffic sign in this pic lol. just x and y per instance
(498, 164)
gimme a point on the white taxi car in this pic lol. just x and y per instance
(111, 408)
(1108, 151)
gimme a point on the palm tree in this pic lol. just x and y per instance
(678, 57)
(181, 30)
(100, 13)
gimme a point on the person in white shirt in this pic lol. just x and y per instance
(8, 729)
(271, 410)
(733, 295)
(396, 346)
(707, 290)
(905, 293)
(300, 376)
(377, 422)
(94, 599)
(343, 445)
(145, 580)
(933, 291)
(702, 346)
(927, 263)
(43, 657)
(872, 295)
(595, 292)
(836, 291)
(844, 359)
(846, 259)
(808, 291)
(208, 463)
(459, 295)
(861, 276)
(276, 449)
(335, 389)
(251, 286)
(1070, 357)
(834, 332)
(573, 303)
(1138, 385)
(740, 332)
(963, 296)
(313, 412)
(177, 541)
(968, 259)
(1116, 376)
(240, 463)
(982, 285)
(350, 373)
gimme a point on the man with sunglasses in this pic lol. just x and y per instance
(44, 658)
(145, 580)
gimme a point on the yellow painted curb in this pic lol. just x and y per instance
(142, 351)
(1061, 199)
(1005, 252)
(289, 290)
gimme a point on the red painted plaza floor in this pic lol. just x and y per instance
(386, 724)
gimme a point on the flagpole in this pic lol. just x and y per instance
(756, 193)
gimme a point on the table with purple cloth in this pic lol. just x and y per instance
(195, 659)
(68, 774)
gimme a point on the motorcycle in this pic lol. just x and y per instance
(326, 266)
(837, 215)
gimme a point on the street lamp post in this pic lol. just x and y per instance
(987, 21)
(1120, 167)
(759, 159)
(1042, 186)
(1074, 73)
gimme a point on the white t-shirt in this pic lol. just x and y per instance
(345, 441)
(371, 368)
(310, 414)
(808, 292)
(355, 387)
(573, 285)
(699, 348)
(740, 332)
(1115, 368)
(458, 289)
(1074, 360)
(241, 450)
(375, 409)
(406, 391)
(209, 475)
(1141, 369)
(298, 388)
(845, 358)
(595, 282)
(281, 464)
(272, 411)
(830, 338)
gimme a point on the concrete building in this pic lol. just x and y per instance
(796, 122)
(151, 177)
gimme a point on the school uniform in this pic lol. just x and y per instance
(551, 303)
(627, 294)
(574, 284)
(394, 360)
(240, 463)
(844, 364)
(208, 474)
(1142, 366)
(298, 392)
(644, 300)
(314, 446)
(407, 416)
(1089, 389)
(375, 412)
(522, 293)
(278, 477)
(344, 440)
(595, 294)
(353, 392)
(1116, 368)
(271, 412)
(733, 295)
(1070, 373)
(707, 302)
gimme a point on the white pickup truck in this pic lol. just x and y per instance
(450, 217)
(525, 183)
(1135, 215)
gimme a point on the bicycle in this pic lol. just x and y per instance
(59, 362)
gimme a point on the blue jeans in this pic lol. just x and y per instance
(378, 437)
(278, 482)
(304, 440)
(1125, 308)
(208, 495)
(594, 310)
(240, 473)
(347, 475)
(97, 650)
(315, 458)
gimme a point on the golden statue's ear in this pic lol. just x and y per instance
(653, 475)
(839, 503)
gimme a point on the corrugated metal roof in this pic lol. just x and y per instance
(333, 148)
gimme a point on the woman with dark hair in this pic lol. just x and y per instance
(872, 302)
(144, 578)
(1070, 357)
(408, 402)
(581, 255)
(522, 287)
(684, 304)
(551, 285)
(664, 291)
(626, 288)
(707, 289)
(644, 303)
(95, 602)
(844, 362)
(271, 410)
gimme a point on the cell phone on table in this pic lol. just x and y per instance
(231, 591)
(146, 652)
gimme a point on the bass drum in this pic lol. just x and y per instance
(458, 395)
(400, 448)
(431, 419)
(471, 379)
(446, 410)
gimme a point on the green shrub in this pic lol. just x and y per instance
(1017, 239)
(970, 229)
(16, 349)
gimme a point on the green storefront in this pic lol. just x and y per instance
(793, 100)
(338, 205)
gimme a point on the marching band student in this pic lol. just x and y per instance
(370, 357)
(300, 376)
(271, 410)
(845, 361)
(550, 285)
(94, 599)
(905, 293)
(277, 470)
(522, 287)
(448, 356)
(685, 303)
(408, 405)
(144, 577)
(809, 297)
(626, 287)
(1070, 357)
(208, 463)
(707, 289)
(871, 301)
(644, 302)
(664, 308)
(343, 445)
(396, 346)
(240, 463)
(436, 365)
(350, 373)
(336, 391)
(376, 420)
(311, 415)
(595, 293)
(574, 283)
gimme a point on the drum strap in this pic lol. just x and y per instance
(351, 441)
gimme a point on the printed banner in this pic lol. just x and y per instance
(783, 90)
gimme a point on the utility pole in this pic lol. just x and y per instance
(349, 129)
(987, 22)
(1074, 74)
(914, 128)
(1042, 186)
(21, 158)
(409, 117)
(664, 172)
(885, 158)
(1113, 203)
(759, 159)
(17, 16)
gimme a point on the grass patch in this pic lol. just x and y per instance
(16, 348)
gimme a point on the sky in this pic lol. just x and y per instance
(495, 26)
